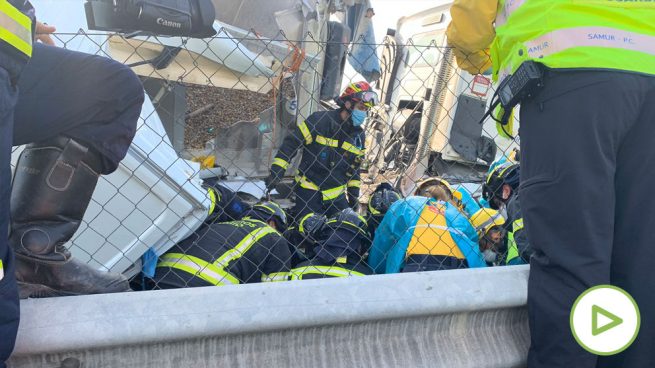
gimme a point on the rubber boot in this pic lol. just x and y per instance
(52, 188)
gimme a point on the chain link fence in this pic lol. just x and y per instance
(218, 112)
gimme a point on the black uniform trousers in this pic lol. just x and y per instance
(587, 173)
(60, 92)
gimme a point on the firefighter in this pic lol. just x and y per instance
(332, 145)
(340, 250)
(425, 233)
(225, 203)
(501, 190)
(77, 113)
(246, 251)
(378, 204)
(491, 233)
(302, 238)
(587, 155)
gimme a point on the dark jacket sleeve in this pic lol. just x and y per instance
(299, 136)
(278, 261)
(354, 183)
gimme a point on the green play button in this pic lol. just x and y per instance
(608, 320)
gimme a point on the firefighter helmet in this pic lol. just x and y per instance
(359, 91)
(381, 199)
(266, 211)
(506, 173)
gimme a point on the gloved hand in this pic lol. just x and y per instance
(273, 179)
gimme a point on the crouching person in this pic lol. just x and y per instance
(249, 250)
(339, 251)
(422, 233)
(489, 224)
(303, 237)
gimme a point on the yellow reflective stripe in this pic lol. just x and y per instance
(297, 273)
(244, 245)
(305, 132)
(372, 210)
(2, 270)
(327, 141)
(15, 28)
(517, 225)
(199, 268)
(355, 183)
(213, 199)
(275, 277)
(305, 183)
(351, 148)
(280, 162)
(332, 193)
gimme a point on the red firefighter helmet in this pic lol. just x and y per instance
(359, 91)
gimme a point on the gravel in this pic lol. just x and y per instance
(229, 106)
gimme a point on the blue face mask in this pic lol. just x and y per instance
(358, 117)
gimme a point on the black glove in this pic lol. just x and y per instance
(273, 179)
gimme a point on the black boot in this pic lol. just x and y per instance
(52, 187)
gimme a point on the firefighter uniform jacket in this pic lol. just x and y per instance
(244, 251)
(331, 158)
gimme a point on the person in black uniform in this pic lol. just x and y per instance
(303, 237)
(77, 113)
(332, 143)
(340, 250)
(225, 203)
(246, 251)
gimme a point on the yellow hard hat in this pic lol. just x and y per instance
(434, 180)
(486, 218)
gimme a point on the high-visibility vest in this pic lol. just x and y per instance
(15, 28)
(431, 234)
(599, 34)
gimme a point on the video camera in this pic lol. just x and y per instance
(183, 18)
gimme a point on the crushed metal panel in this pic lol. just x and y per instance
(467, 130)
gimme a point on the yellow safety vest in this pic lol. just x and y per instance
(432, 235)
(600, 34)
(15, 28)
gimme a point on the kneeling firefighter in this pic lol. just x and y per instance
(424, 234)
(339, 251)
(332, 142)
(303, 237)
(250, 250)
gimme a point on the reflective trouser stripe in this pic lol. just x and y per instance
(244, 245)
(297, 273)
(327, 141)
(15, 28)
(2, 270)
(354, 183)
(281, 163)
(199, 268)
(305, 132)
(350, 148)
(605, 37)
(276, 277)
(328, 194)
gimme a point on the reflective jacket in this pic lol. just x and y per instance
(332, 152)
(420, 225)
(244, 251)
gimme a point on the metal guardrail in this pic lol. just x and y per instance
(460, 318)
